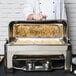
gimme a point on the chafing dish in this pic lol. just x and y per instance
(38, 45)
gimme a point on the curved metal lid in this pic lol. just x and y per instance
(37, 29)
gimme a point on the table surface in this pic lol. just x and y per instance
(22, 73)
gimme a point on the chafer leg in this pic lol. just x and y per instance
(68, 59)
(9, 60)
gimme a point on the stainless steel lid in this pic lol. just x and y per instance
(37, 29)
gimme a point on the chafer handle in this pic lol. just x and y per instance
(69, 41)
(6, 41)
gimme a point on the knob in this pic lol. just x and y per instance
(29, 66)
(46, 65)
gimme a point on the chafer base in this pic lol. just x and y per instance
(45, 52)
(38, 63)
